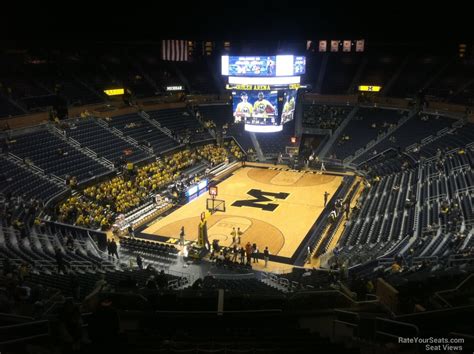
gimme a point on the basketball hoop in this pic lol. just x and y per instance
(213, 191)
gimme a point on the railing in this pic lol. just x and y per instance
(439, 294)
(393, 330)
(41, 327)
(90, 152)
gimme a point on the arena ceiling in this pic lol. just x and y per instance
(257, 19)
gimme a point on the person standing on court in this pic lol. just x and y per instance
(266, 256)
(239, 234)
(248, 251)
(323, 168)
(326, 195)
(234, 235)
(181, 236)
(242, 255)
(255, 253)
(235, 252)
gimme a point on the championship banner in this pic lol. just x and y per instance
(323, 45)
(360, 45)
(346, 47)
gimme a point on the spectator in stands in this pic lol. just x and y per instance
(347, 207)
(109, 248)
(395, 267)
(113, 249)
(130, 230)
(139, 262)
(59, 260)
(23, 271)
(266, 256)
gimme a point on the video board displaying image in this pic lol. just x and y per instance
(256, 107)
(263, 66)
(252, 66)
(289, 104)
(299, 66)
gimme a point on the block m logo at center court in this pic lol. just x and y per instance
(261, 200)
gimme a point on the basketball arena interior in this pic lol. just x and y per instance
(223, 196)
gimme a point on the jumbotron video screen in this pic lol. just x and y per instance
(256, 107)
(261, 108)
(264, 89)
(263, 66)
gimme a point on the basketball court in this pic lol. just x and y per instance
(274, 207)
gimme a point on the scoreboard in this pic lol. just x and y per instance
(263, 66)
(264, 89)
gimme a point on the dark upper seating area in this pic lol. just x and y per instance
(242, 136)
(219, 113)
(417, 71)
(20, 180)
(324, 116)
(88, 133)
(380, 68)
(180, 122)
(199, 76)
(7, 109)
(55, 156)
(446, 85)
(143, 131)
(413, 131)
(364, 127)
(160, 73)
(340, 71)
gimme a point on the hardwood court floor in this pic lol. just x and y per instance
(282, 229)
